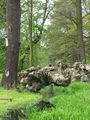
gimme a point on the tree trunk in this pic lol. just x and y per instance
(80, 31)
(30, 13)
(12, 43)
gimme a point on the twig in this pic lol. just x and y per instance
(9, 99)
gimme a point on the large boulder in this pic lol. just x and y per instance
(33, 79)
(61, 80)
(80, 72)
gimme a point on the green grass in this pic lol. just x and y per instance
(71, 104)
(19, 100)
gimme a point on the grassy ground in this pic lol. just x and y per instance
(71, 104)
(19, 100)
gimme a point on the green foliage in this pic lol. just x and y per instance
(39, 51)
(61, 34)
(2, 27)
(2, 13)
(2, 55)
(59, 42)
(40, 55)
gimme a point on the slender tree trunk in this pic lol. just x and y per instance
(80, 32)
(35, 57)
(12, 43)
(30, 15)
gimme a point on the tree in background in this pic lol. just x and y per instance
(12, 43)
(30, 22)
(86, 28)
(81, 44)
(59, 41)
(40, 13)
(62, 36)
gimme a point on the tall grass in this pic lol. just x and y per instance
(72, 103)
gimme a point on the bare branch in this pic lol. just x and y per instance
(86, 15)
(69, 17)
(45, 16)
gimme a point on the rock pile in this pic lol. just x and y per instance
(80, 73)
(35, 78)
